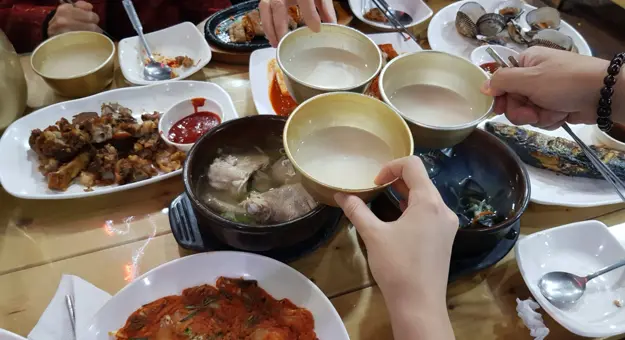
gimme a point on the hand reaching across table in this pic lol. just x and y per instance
(275, 18)
(409, 258)
(77, 17)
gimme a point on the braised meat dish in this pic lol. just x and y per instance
(388, 54)
(233, 309)
(102, 149)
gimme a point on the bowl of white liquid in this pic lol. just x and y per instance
(438, 94)
(340, 141)
(75, 64)
(338, 58)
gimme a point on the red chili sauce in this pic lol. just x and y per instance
(490, 67)
(282, 105)
(190, 128)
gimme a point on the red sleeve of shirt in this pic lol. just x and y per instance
(198, 10)
(22, 24)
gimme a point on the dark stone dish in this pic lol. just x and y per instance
(216, 28)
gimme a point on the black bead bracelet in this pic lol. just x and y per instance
(605, 102)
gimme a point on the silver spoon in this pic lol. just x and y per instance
(69, 303)
(153, 70)
(562, 288)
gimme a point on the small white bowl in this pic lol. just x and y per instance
(417, 9)
(183, 109)
(607, 140)
(579, 248)
(479, 56)
(179, 40)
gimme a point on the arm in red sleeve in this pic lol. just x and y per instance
(22, 23)
(198, 10)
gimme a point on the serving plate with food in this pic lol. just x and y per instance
(239, 27)
(234, 295)
(367, 12)
(462, 26)
(560, 173)
(267, 81)
(100, 144)
(181, 47)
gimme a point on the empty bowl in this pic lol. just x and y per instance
(75, 64)
(340, 141)
(190, 119)
(438, 94)
(338, 58)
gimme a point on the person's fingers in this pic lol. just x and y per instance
(579, 118)
(358, 213)
(309, 12)
(501, 103)
(83, 5)
(84, 16)
(410, 169)
(326, 10)
(553, 126)
(516, 80)
(548, 118)
(519, 111)
(266, 18)
(280, 14)
(400, 187)
(488, 90)
(403, 205)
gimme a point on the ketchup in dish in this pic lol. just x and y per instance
(490, 67)
(190, 128)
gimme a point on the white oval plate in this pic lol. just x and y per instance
(179, 40)
(18, 170)
(259, 63)
(6, 335)
(550, 188)
(443, 36)
(417, 9)
(278, 279)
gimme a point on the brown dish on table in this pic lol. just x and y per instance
(111, 148)
(232, 309)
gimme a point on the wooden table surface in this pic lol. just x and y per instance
(109, 240)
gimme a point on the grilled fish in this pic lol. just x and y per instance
(557, 154)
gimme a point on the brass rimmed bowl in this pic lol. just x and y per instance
(87, 76)
(344, 109)
(444, 70)
(330, 39)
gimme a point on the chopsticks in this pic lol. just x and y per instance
(383, 6)
(605, 171)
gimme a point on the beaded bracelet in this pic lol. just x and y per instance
(605, 102)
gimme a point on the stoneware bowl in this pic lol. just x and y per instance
(89, 77)
(345, 109)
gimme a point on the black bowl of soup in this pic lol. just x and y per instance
(483, 181)
(244, 190)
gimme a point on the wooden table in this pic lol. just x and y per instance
(109, 240)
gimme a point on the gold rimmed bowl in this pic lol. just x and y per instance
(75, 64)
(371, 118)
(456, 76)
(338, 58)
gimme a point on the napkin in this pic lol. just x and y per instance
(533, 320)
(55, 324)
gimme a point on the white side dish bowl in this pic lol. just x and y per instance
(179, 40)
(278, 279)
(183, 109)
(579, 248)
(479, 56)
(417, 9)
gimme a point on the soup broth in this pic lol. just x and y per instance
(256, 186)
(343, 156)
(433, 105)
(74, 61)
(328, 67)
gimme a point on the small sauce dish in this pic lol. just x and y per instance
(185, 122)
(481, 58)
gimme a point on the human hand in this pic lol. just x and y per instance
(275, 18)
(74, 18)
(411, 255)
(549, 88)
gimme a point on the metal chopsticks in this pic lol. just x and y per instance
(383, 6)
(605, 171)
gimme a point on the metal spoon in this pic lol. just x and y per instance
(562, 288)
(153, 70)
(69, 303)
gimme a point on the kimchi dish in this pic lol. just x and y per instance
(103, 149)
(232, 309)
(388, 54)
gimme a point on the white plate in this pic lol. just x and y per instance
(417, 9)
(182, 39)
(278, 279)
(18, 170)
(259, 62)
(550, 188)
(443, 36)
(6, 335)
(580, 248)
